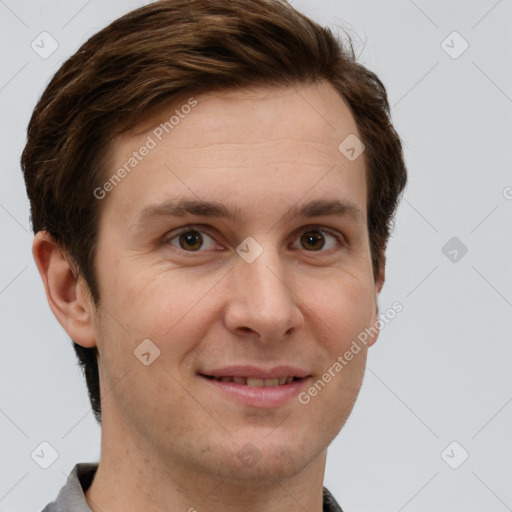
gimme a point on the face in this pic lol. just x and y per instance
(252, 284)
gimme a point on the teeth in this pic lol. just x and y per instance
(257, 383)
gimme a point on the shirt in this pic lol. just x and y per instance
(71, 497)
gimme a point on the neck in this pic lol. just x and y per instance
(134, 476)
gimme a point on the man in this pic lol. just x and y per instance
(211, 188)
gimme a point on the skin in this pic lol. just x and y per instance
(169, 441)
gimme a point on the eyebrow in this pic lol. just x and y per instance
(182, 207)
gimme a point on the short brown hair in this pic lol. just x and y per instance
(159, 53)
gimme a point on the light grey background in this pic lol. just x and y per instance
(440, 371)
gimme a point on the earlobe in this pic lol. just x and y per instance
(65, 292)
(379, 283)
(382, 274)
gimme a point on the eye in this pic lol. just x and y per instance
(314, 239)
(190, 239)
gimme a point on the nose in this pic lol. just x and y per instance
(262, 301)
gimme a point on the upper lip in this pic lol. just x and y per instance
(257, 373)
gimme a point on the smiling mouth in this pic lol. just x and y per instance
(256, 383)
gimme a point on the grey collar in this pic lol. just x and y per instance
(71, 497)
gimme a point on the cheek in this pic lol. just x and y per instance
(345, 307)
(173, 302)
(172, 309)
(151, 300)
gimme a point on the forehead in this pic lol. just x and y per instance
(267, 142)
(317, 105)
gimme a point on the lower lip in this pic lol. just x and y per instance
(272, 396)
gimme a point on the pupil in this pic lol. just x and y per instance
(193, 239)
(308, 238)
(190, 238)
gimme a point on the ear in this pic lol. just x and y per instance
(379, 283)
(67, 295)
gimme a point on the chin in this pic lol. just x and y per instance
(261, 460)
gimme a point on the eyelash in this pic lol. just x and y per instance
(191, 228)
